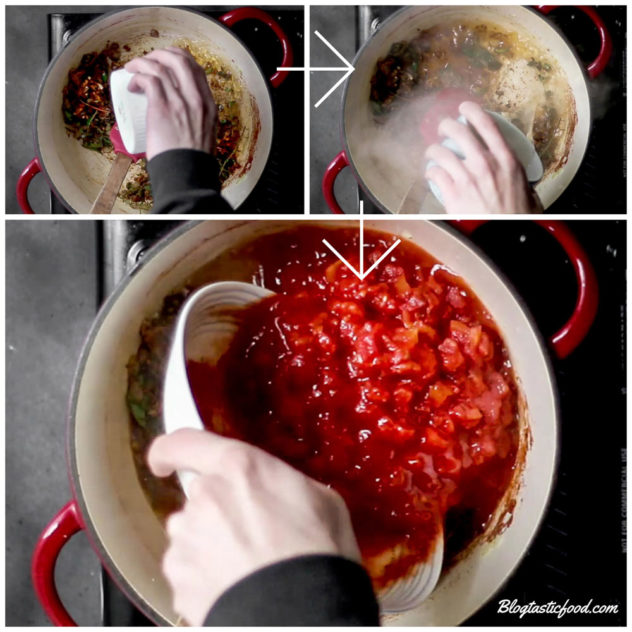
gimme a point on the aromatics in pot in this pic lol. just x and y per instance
(88, 114)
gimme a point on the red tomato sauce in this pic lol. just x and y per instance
(396, 391)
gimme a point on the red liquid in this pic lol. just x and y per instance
(396, 390)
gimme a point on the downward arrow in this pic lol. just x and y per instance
(362, 274)
(347, 69)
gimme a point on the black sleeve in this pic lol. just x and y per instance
(314, 590)
(186, 181)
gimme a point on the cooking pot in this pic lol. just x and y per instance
(76, 174)
(109, 504)
(384, 186)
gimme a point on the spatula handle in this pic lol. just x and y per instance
(107, 196)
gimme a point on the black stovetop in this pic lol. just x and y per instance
(280, 188)
(600, 183)
(579, 552)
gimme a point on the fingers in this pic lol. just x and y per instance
(179, 65)
(478, 160)
(189, 76)
(444, 182)
(157, 81)
(487, 130)
(440, 177)
(449, 162)
(463, 136)
(162, 97)
(197, 71)
(150, 85)
(187, 449)
(148, 66)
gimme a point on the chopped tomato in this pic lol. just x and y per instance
(395, 390)
(451, 356)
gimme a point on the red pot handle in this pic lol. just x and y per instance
(251, 13)
(567, 339)
(32, 169)
(335, 167)
(61, 528)
(596, 67)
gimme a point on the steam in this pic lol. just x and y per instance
(395, 146)
(601, 91)
(392, 147)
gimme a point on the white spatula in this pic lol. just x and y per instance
(204, 329)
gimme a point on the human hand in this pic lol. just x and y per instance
(246, 509)
(181, 112)
(490, 179)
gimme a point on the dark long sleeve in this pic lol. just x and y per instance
(314, 590)
(186, 181)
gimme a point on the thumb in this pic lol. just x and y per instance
(186, 449)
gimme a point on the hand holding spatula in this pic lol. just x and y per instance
(107, 196)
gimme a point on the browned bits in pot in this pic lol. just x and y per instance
(487, 64)
(154, 33)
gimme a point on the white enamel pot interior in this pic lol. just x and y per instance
(122, 527)
(76, 174)
(382, 185)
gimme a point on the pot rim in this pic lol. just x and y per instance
(546, 354)
(394, 16)
(90, 25)
(157, 249)
(71, 460)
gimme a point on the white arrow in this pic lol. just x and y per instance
(362, 274)
(348, 68)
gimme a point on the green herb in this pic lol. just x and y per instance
(225, 165)
(378, 108)
(398, 49)
(91, 119)
(539, 65)
(138, 412)
(480, 56)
